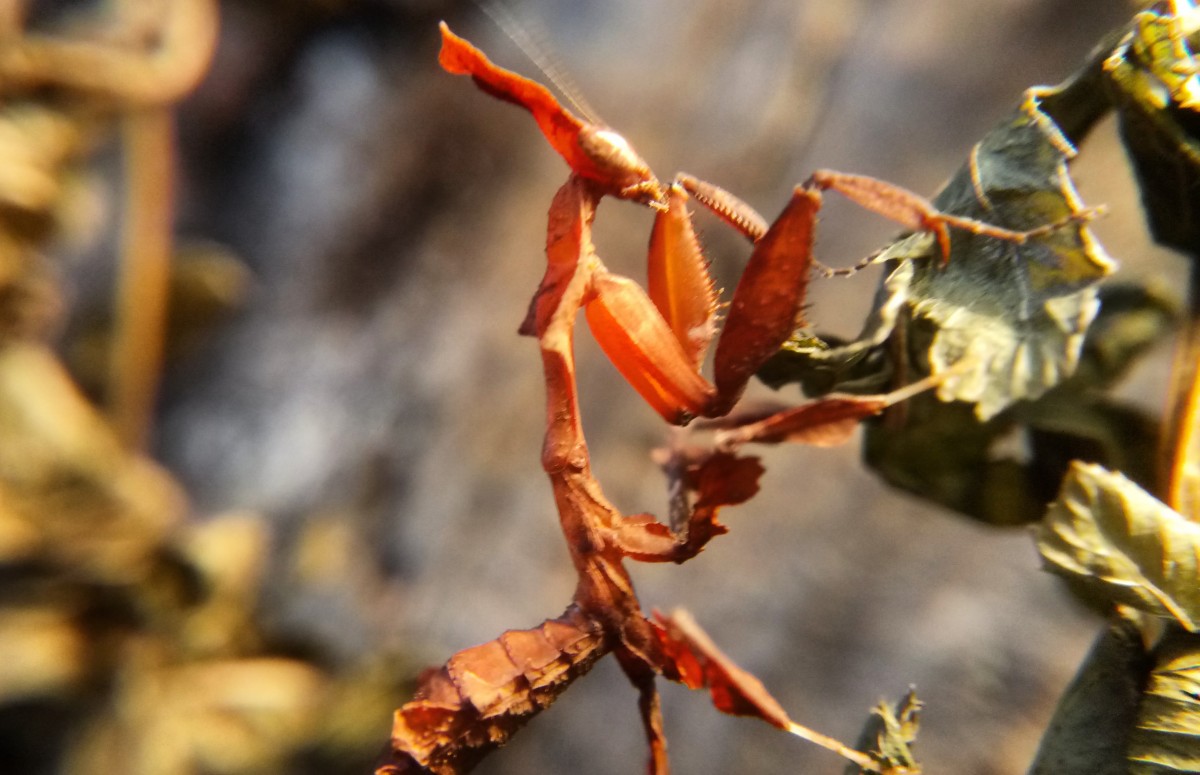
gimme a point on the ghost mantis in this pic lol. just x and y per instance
(657, 338)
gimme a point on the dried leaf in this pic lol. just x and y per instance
(1118, 542)
(1166, 734)
(941, 452)
(889, 735)
(66, 485)
(482, 695)
(1153, 85)
(1091, 725)
(1015, 314)
(42, 653)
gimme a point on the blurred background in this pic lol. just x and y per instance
(346, 483)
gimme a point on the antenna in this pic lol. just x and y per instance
(531, 37)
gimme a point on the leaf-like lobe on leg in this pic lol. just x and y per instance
(484, 694)
(696, 662)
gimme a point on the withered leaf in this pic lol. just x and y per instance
(1118, 542)
(1003, 320)
(1154, 87)
(1164, 737)
(941, 452)
(1013, 315)
(889, 735)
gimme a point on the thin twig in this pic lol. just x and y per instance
(831, 744)
(187, 41)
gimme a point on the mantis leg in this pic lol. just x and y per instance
(915, 212)
(768, 302)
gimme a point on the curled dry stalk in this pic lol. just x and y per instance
(154, 66)
(146, 58)
(133, 635)
(138, 338)
(119, 618)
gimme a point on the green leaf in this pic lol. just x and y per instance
(1166, 735)
(1090, 728)
(1119, 543)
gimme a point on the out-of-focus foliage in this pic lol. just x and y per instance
(131, 636)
